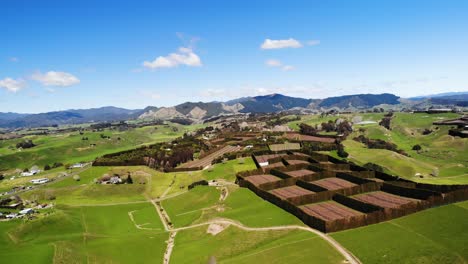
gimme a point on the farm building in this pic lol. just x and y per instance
(26, 211)
(77, 166)
(39, 181)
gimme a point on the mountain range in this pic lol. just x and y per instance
(199, 111)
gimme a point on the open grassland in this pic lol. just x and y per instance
(187, 208)
(176, 182)
(70, 148)
(103, 234)
(441, 154)
(234, 245)
(71, 192)
(437, 235)
(241, 205)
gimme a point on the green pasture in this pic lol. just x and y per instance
(234, 245)
(437, 235)
(69, 148)
(85, 234)
(187, 208)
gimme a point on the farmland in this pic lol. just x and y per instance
(436, 235)
(441, 154)
(98, 223)
(68, 148)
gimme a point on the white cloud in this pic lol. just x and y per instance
(279, 64)
(53, 78)
(280, 44)
(313, 42)
(14, 59)
(12, 85)
(213, 93)
(273, 63)
(185, 56)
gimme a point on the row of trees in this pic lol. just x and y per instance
(379, 144)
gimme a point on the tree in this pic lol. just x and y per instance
(129, 179)
(416, 147)
(2, 177)
(341, 152)
(47, 167)
(373, 166)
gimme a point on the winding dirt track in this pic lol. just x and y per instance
(350, 258)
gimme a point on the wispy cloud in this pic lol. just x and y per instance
(280, 44)
(54, 78)
(278, 64)
(184, 56)
(14, 59)
(150, 94)
(12, 85)
(313, 42)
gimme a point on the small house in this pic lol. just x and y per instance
(26, 211)
(39, 181)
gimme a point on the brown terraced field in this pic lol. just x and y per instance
(209, 159)
(274, 165)
(300, 173)
(329, 211)
(383, 199)
(333, 183)
(297, 136)
(263, 178)
(265, 158)
(290, 192)
(295, 162)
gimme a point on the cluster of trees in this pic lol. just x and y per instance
(386, 120)
(427, 131)
(374, 167)
(379, 144)
(281, 120)
(198, 183)
(319, 146)
(25, 144)
(55, 165)
(308, 130)
(104, 136)
(158, 156)
(162, 160)
(342, 127)
(341, 151)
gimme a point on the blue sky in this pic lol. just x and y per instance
(57, 55)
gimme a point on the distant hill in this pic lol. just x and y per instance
(269, 103)
(103, 114)
(190, 112)
(11, 116)
(360, 101)
(451, 94)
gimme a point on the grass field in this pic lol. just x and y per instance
(103, 234)
(441, 154)
(181, 180)
(436, 235)
(183, 213)
(69, 148)
(241, 205)
(234, 245)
